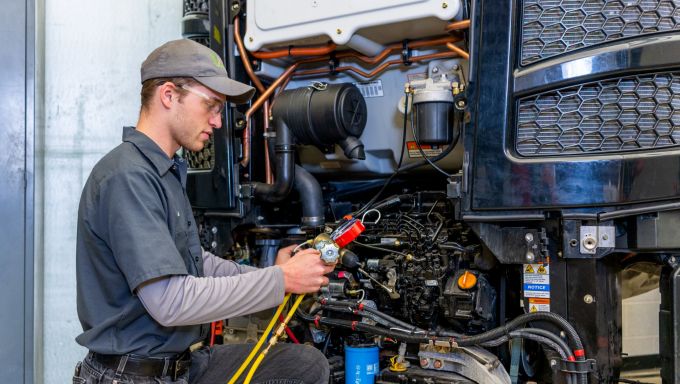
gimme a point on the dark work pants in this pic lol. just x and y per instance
(285, 364)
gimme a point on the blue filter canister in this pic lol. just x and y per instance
(361, 365)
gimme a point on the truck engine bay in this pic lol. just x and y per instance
(501, 164)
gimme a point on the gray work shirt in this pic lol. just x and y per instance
(134, 224)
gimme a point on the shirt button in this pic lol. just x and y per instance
(188, 223)
(196, 258)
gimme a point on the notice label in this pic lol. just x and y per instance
(536, 283)
(429, 150)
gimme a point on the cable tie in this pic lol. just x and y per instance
(361, 306)
(579, 353)
(571, 358)
(354, 325)
(316, 321)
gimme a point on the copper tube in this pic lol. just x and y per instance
(377, 70)
(458, 25)
(302, 51)
(458, 50)
(244, 56)
(245, 138)
(269, 177)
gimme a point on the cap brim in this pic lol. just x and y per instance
(235, 91)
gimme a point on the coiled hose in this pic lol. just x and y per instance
(483, 338)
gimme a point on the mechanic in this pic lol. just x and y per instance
(146, 289)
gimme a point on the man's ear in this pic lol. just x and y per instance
(167, 95)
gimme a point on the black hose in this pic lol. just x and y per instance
(353, 305)
(408, 167)
(311, 198)
(520, 321)
(285, 167)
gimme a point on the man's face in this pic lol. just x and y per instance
(195, 118)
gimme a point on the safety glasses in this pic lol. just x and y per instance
(215, 105)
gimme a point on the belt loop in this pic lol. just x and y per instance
(166, 365)
(121, 366)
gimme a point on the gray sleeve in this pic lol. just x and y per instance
(189, 300)
(216, 266)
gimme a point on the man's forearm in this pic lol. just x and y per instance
(215, 266)
(188, 300)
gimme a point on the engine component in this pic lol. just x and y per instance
(433, 110)
(325, 114)
(274, 22)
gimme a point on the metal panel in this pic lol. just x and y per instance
(500, 179)
(16, 193)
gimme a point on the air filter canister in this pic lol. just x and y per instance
(325, 114)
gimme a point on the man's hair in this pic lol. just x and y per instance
(149, 88)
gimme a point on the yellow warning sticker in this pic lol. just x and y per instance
(529, 269)
(533, 309)
(542, 270)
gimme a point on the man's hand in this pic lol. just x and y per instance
(284, 254)
(304, 273)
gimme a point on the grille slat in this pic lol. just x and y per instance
(204, 159)
(554, 27)
(630, 113)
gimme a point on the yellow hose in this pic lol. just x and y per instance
(260, 341)
(274, 339)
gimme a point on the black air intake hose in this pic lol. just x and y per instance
(310, 197)
(284, 151)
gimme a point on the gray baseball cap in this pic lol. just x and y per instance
(187, 58)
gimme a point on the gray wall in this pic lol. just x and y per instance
(16, 190)
(92, 52)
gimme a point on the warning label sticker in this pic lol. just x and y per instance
(539, 304)
(429, 150)
(536, 283)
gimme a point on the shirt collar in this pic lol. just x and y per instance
(150, 150)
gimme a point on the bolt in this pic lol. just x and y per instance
(250, 39)
(529, 237)
(235, 7)
(460, 104)
(573, 242)
(455, 67)
(213, 230)
(588, 299)
(559, 254)
(530, 256)
(672, 260)
(213, 245)
(424, 363)
(438, 364)
(589, 243)
(445, 5)
(435, 69)
(240, 122)
(338, 31)
(605, 237)
(553, 362)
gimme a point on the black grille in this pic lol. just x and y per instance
(195, 6)
(553, 27)
(623, 114)
(202, 160)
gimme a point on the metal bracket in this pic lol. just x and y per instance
(246, 191)
(578, 367)
(594, 237)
